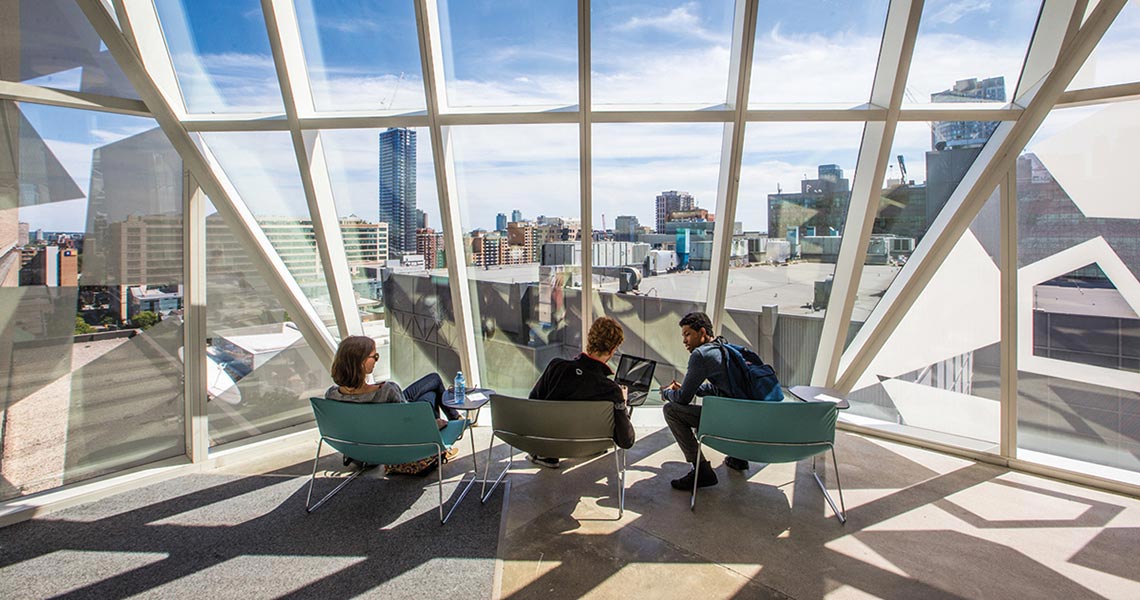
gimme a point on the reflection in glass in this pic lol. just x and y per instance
(1078, 257)
(361, 55)
(220, 69)
(90, 296)
(509, 54)
(657, 53)
(817, 51)
(260, 371)
(521, 269)
(50, 43)
(263, 169)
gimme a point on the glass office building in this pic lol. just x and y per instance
(185, 185)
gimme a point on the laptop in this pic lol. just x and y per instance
(636, 374)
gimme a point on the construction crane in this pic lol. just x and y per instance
(902, 169)
(392, 97)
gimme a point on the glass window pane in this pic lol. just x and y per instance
(263, 169)
(90, 296)
(362, 55)
(1078, 294)
(654, 202)
(512, 53)
(1114, 59)
(518, 277)
(670, 52)
(407, 176)
(970, 51)
(221, 69)
(937, 377)
(795, 187)
(260, 372)
(51, 43)
(817, 51)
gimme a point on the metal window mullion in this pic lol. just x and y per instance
(140, 26)
(209, 177)
(1054, 26)
(1008, 347)
(585, 167)
(731, 156)
(195, 378)
(285, 44)
(970, 195)
(443, 160)
(22, 92)
(889, 87)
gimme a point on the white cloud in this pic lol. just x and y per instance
(953, 11)
(681, 21)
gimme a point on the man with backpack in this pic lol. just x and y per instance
(716, 368)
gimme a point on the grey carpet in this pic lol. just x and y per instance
(249, 537)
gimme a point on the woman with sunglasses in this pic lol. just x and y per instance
(356, 357)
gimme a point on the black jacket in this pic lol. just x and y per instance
(584, 378)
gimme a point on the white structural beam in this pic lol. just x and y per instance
(1055, 24)
(983, 176)
(197, 162)
(11, 90)
(443, 158)
(731, 155)
(585, 167)
(285, 43)
(1008, 262)
(195, 379)
(139, 24)
(874, 154)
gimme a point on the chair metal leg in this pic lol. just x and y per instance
(309, 497)
(510, 463)
(620, 481)
(696, 475)
(474, 459)
(839, 514)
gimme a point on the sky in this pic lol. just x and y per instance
(365, 56)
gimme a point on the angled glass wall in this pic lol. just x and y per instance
(90, 296)
(1078, 296)
(1114, 61)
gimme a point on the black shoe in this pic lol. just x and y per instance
(348, 461)
(738, 464)
(543, 461)
(705, 477)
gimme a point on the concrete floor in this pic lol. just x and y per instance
(920, 525)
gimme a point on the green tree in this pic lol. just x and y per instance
(82, 326)
(145, 320)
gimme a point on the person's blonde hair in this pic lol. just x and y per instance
(348, 364)
(605, 336)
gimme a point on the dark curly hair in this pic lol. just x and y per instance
(605, 336)
(348, 364)
(697, 321)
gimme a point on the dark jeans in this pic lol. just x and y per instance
(430, 389)
(683, 420)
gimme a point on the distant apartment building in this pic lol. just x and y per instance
(22, 234)
(516, 215)
(501, 222)
(50, 266)
(966, 134)
(398, 188)
(671, 201)
(296, 242)
(421, 219)
(626, 228)
(429, 244)
(524, 235)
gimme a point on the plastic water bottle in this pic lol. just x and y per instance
(460, 388)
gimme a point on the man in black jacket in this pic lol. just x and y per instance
(587, 377)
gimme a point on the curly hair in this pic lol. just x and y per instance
(348, 364)
(605, 336)
(697, 321)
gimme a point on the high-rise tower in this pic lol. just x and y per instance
(671, 201)
(398, 188)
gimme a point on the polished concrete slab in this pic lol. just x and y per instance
(921, 525)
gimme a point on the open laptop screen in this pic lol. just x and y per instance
(635, 372)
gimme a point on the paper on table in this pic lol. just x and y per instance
(475, 396)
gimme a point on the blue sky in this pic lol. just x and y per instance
(364, 55)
